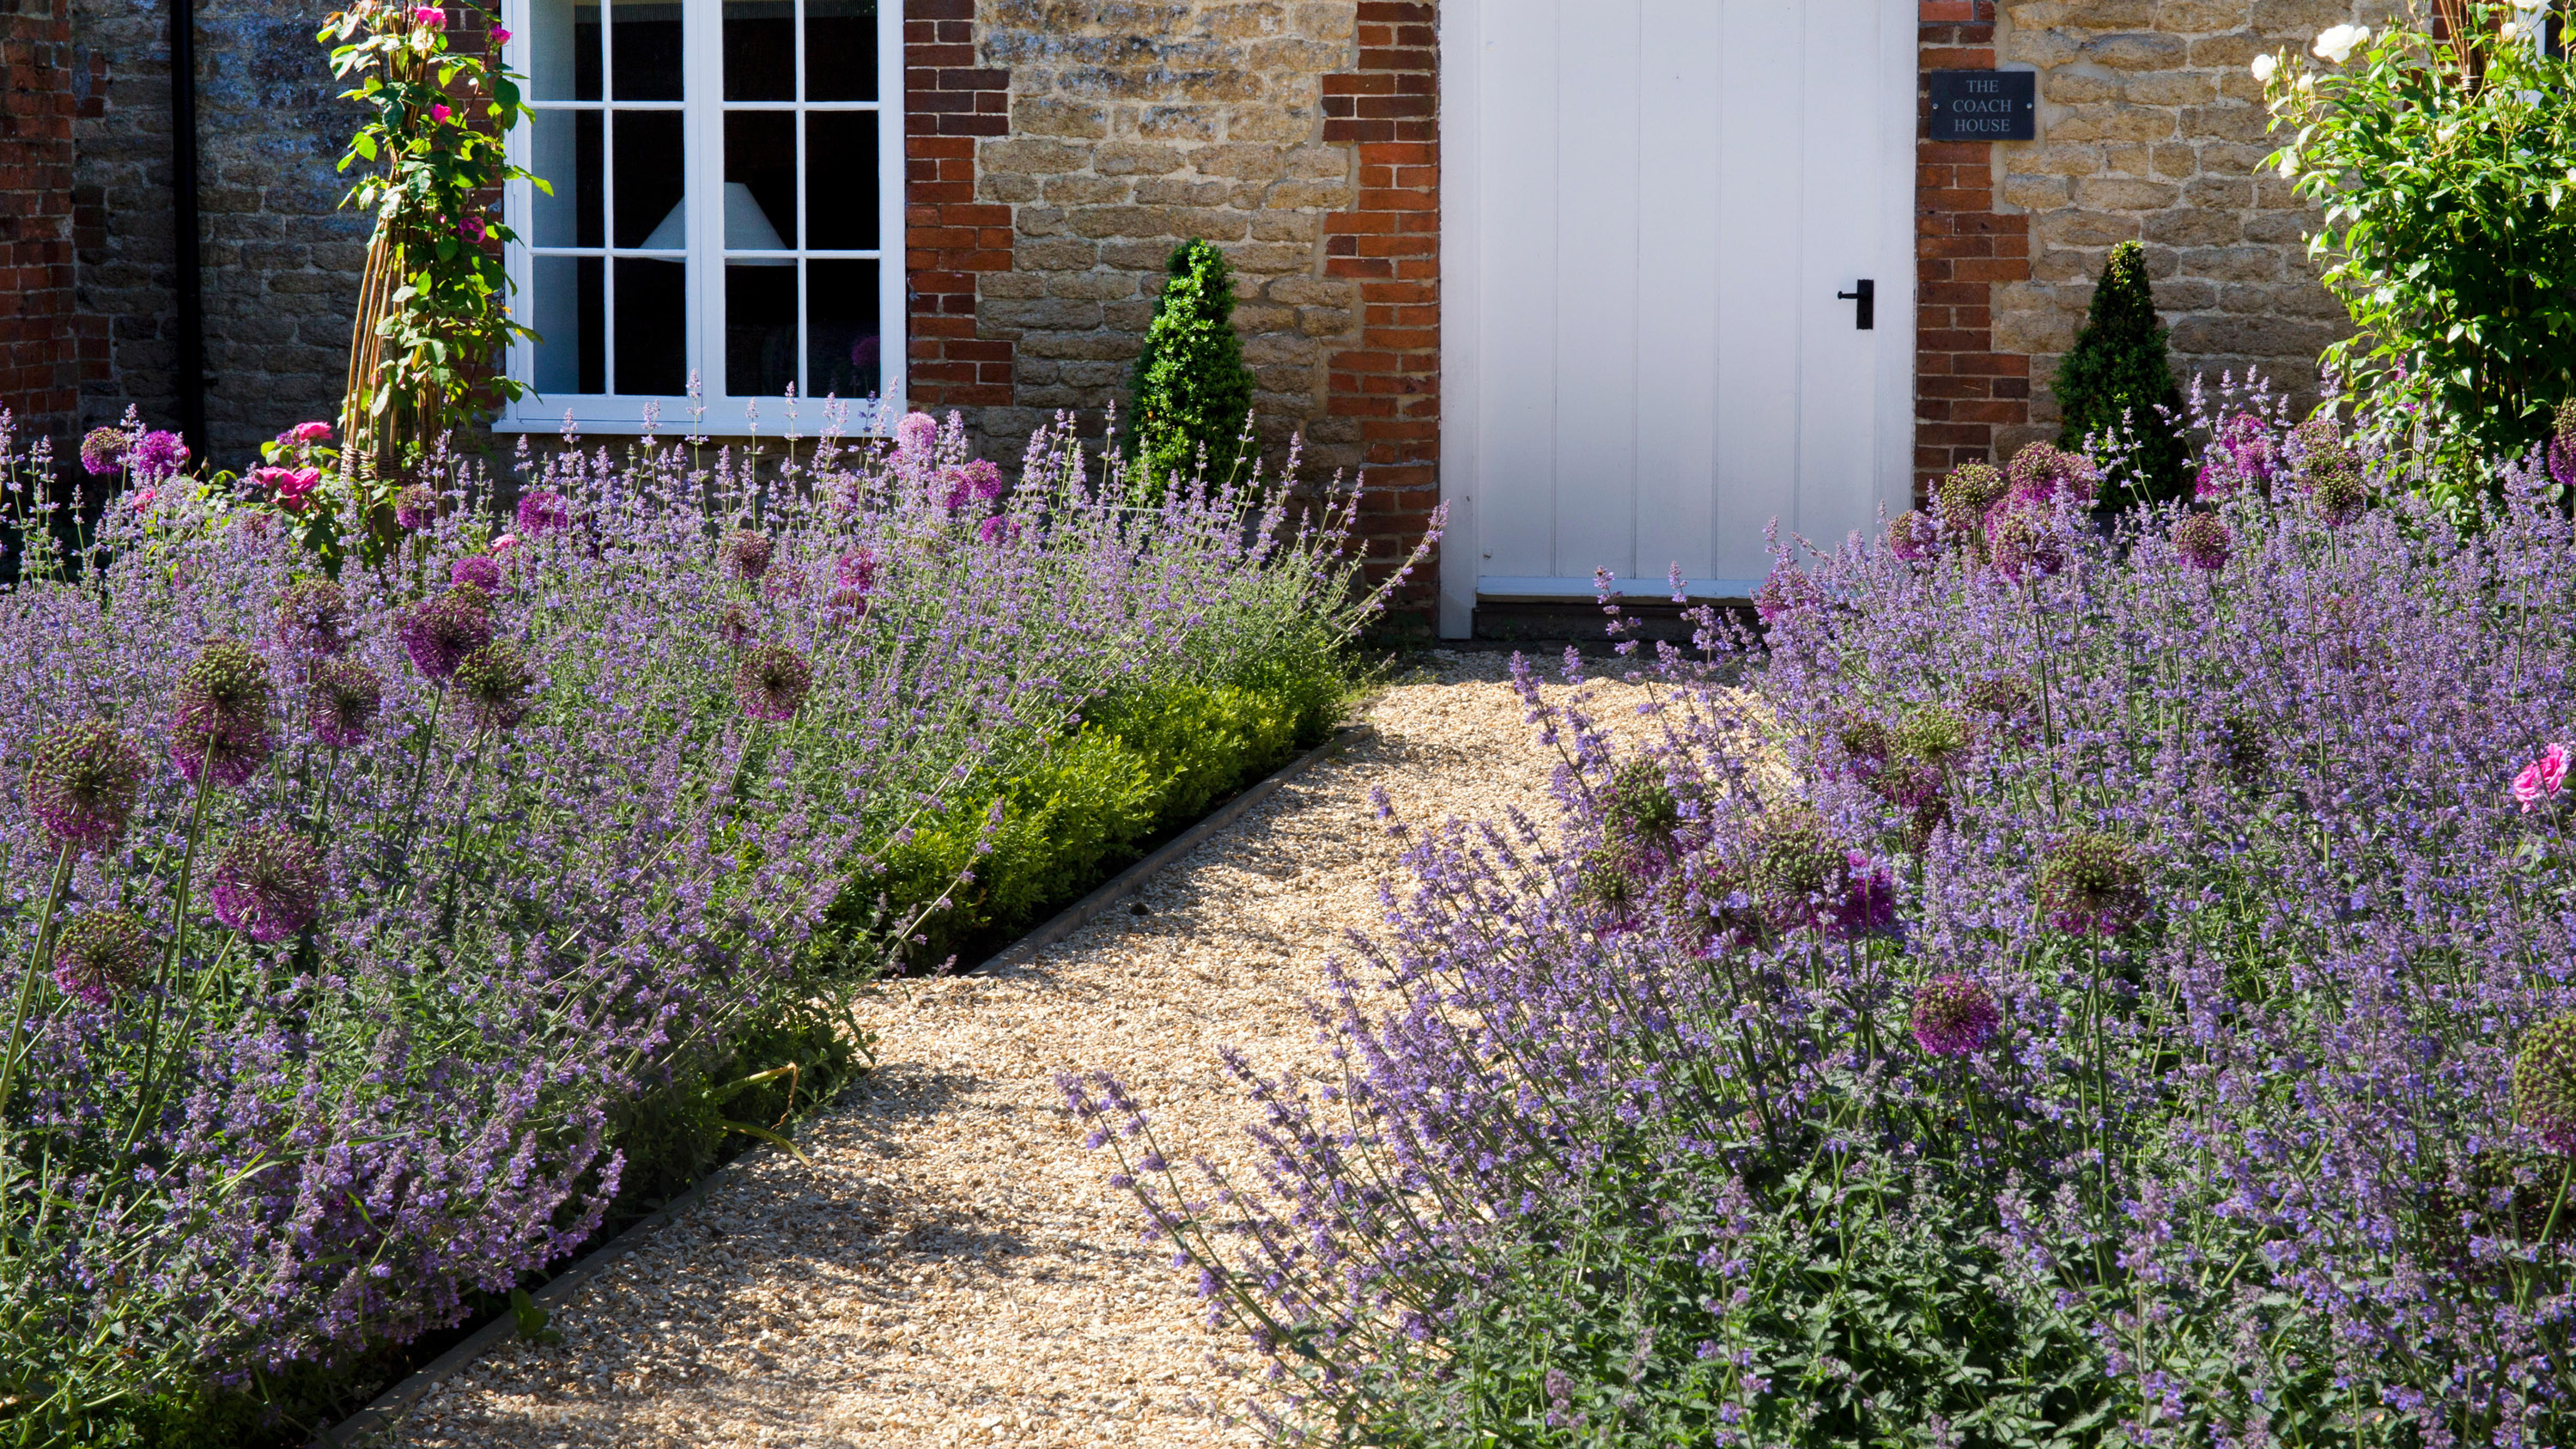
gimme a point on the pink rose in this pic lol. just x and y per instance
(471, 228)
(430, 17)
(2543, 777)
(143, 500)
(500, 36)
(505, 543)
(440, 112)
(310, 433)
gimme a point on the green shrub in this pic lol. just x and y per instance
(2112, 382)
(1192, 391)
(2447, 170)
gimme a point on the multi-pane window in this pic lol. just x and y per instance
(725, 203)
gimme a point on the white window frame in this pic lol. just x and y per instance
(703, 109)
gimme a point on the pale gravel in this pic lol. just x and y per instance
(953, 1269)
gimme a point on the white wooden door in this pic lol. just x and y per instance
(1648, 209)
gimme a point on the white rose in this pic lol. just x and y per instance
(2337, 43)
(2289, 166)
(2264, 66)
(2510, 31)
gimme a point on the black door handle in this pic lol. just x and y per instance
(1865, 316)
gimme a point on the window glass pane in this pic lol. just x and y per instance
(840, 50)
(760, 50)
(760, 180)
(652, 327)
(566, 314)
(651, 175)
(844, 346)
(841, 180)
(563, 50)
(645, 50)
(564, 149)
(760, 328)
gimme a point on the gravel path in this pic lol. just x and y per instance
(953, 1269)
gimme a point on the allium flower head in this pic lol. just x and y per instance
(2202, 541)
(313, 617)
(220, 723)
(415, 508)
(2001, 697)
(915, 436)
(2022, 539)
(738, 625)
(1641, 803)
(2043, 474)
(2247, 442)
(2562, 445)
(267, 883)
(438, 633)
(1787, 591)
(2244, 747)
(976, 482)
(2329, 470)
(156, 456)
(771, 682)
(846, 605)
(81, 784)
(543, 511)
(1914, 536)
(101, 956)
(1868, 904)
(496, 686)
(2092, 885)
(1954, 1016)
(856, 570)
(2542, 778)
(2544, 1083)
(745, 554)
(1933, 735)
(1001, 528)
(1612, 878)
(1965, 493)
(1796, 866)
(102, 450)
(476, 571)
(343, 701)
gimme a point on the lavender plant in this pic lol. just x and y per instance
(2204, 1079)
(361, 919)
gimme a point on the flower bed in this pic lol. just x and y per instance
(2083, 987)
(375, 919)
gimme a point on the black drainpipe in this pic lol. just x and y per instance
(189, 291)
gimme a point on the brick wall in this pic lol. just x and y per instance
(42, 81)
(1967, 394)
(954, 237)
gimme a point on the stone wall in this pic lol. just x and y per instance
(280, 260)
(2151, 129)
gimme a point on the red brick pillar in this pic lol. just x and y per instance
(39, 341)
(950, 105)
(1963, 389)
(1388, 110)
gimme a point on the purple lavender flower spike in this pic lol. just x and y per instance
(267, 883)
(2544, 1083)
(102, 450)
(313, 618)
(82, 781)
(2092, 884)
(2201, 540)
(220, 722)
(1954, 1016)
(438, 633)
(476, 571)
(343, 702)
(771, 682)
(745, 554)
(102, 955)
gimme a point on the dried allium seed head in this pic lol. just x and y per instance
(1612, 878)
(1795, 865)
(1866, 740)
(2202, 541)
(220, 723)
(1907, 780)
(1954, 1016)
(438, 633)
(544, 511)
(477, 571)
(2544, 1083)
(2001, 697)
(313, 617)
(1933, 735)
(2244, 748)
(1965, 493)
(1642, 805)
(745, 554)
(2092, 885)
(103, 450)
(496, 687)
(81, 783)
(267, 883)
(2330, 471)
(102, 955)
(342, 704)
(771, 682)
(415, 508)
(1914, 536)
(738, 625)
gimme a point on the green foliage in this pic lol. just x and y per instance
(1192, 392)
(2116, 377)
(2447, 170)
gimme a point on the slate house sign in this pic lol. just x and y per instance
(1984, 105)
